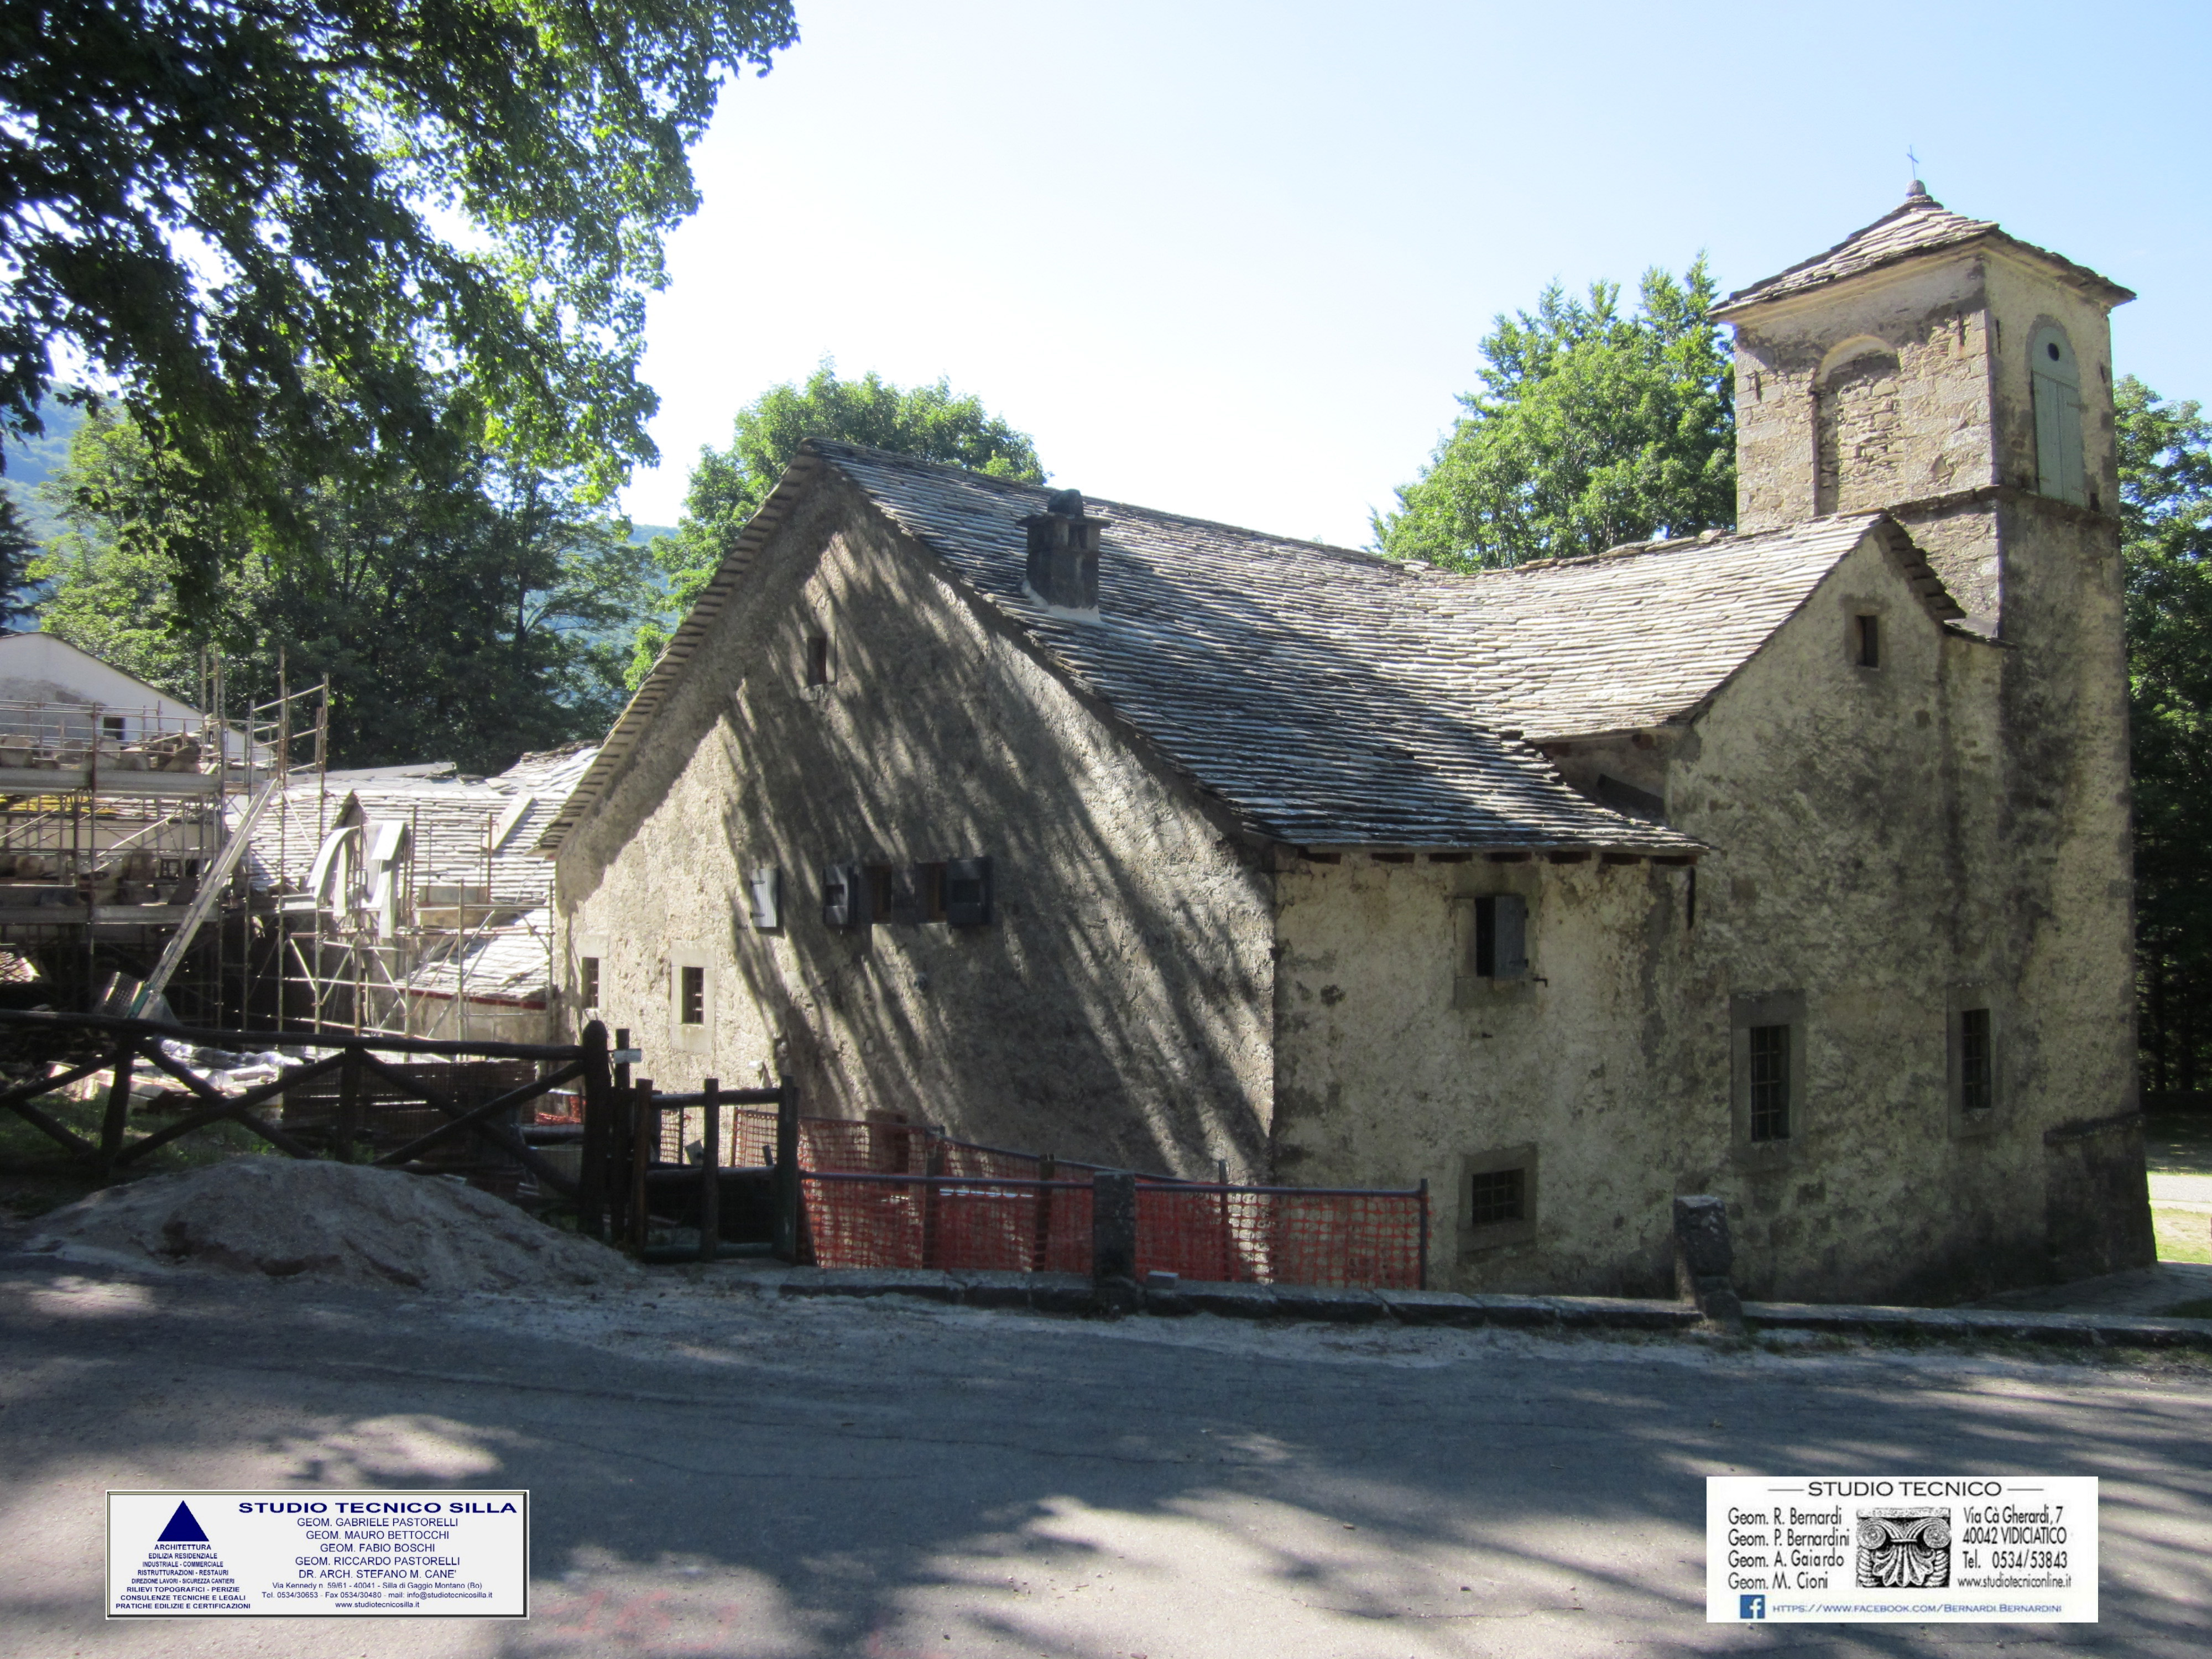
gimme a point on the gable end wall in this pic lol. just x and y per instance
(1117, 1007)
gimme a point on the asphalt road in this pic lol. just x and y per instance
(715, 1475)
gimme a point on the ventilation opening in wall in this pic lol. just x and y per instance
(692, 997)
(817, 659)
(588, 980)
(1976, 1057)
(111, 725)
(1866, 640)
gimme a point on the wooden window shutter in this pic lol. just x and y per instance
(2055, 381)
(765, 888)
(844, 896)
(1510, 939)
(968, 892)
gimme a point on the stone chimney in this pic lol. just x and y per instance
(1063, 556)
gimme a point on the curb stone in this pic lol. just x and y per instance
(1074, 1294)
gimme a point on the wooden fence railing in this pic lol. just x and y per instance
(123, 1045)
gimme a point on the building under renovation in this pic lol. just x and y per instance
(156, 857)
(409, 900)
(115, 802)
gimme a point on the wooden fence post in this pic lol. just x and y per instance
(118, 1109)
(619, 1125)
(598, 1105)
(786, 1170)
(644, 1142)
(1047, 1168)
(933, 1167)
(710, 1174)
(1425, 1234)
(349, 1126)
(1113, 1226)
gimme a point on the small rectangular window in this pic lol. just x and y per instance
(932, 879)
(881, 907)
(1496, 1196)
(111, 725)
(1869, 641)
(817, 659)
(1977, 1072)
(693, 1003)
(1770, 1082)
(588, 980)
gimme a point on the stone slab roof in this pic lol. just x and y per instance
(510, 964)
(1330, 698)
(1639, 636)
(449, 819)
(1922, 225)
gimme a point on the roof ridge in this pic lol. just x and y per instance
(1128, 509)
(1667, 544)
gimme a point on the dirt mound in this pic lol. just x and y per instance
(342, 1223)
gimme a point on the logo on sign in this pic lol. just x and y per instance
(1752, 1606)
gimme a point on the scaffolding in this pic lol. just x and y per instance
(407, 921)
(110, 817)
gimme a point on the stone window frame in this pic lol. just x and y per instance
(1957, 1001)
(1746, 1012)
(697, 1039)
(1472, 1240)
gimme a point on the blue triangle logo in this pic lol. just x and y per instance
(183, 1528)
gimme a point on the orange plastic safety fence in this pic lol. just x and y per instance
(1280, 1235)
(951, 1222)
(847, 1147)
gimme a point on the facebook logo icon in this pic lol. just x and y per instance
(1752, 1606)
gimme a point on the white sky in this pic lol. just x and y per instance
(1234, 259)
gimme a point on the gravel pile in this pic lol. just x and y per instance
(332, 1222)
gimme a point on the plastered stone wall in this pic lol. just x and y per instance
(1868, 859)
(1395, 1064)
(1119, 1006)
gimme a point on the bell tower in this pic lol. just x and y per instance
(1933, 369)
(1930, 366)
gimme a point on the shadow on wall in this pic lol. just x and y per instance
(1120, 1007)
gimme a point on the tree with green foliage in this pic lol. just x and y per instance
(728, 485)
(2165, 511)
(468, 617)
(301, 236)
(1591, 428)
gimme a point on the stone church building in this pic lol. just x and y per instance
(1790, 864)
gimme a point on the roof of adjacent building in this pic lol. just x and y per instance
(449, 820)
(1922, 225)
(1331, 698)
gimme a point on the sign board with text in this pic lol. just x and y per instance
(1901, 1549)
(317, 1554)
